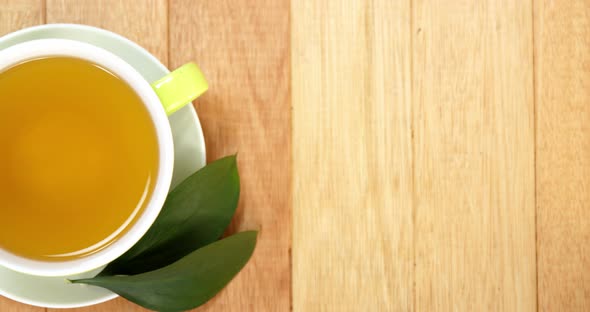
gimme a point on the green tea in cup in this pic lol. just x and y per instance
(78, 158)
(86, 153)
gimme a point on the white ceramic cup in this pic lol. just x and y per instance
(69, 48)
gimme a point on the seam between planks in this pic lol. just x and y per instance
(44, 11)
(291, 200)
(535, 143)
(168, 54)
(412, 151)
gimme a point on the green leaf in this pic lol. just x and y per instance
(195, 214)
(187, 283)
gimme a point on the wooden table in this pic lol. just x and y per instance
(397, 155)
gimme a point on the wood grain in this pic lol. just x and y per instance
(562, 57)
(145, 24)
(352, 243)
(243, 48)
(473, 113)
(412, 167)
(15, 15)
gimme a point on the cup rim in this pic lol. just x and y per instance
(69, 48)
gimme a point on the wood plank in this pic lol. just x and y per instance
(353, 233)
(16, 15)
(562, 58)
(243, 48)
(7, 305)
(145, 24)
(473, 111)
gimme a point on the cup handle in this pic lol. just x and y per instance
(180, 87)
